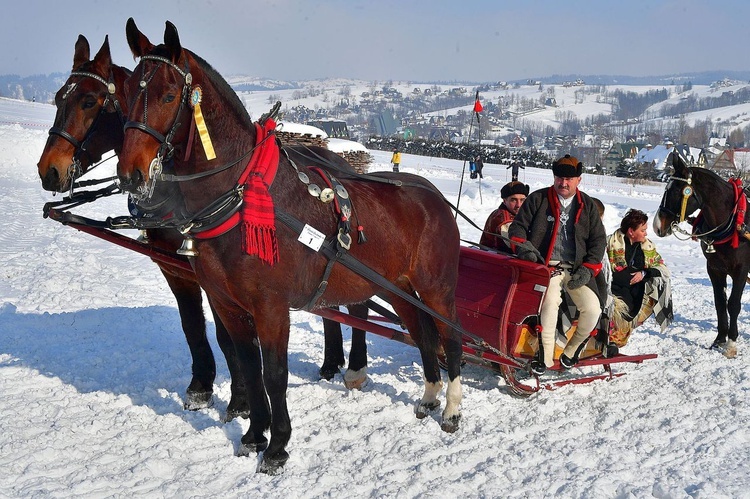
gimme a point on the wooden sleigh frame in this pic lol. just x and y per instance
(498, 299)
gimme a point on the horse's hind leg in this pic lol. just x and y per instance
(733, 307)
(333, 351)
(189, 303)
(356, 373)
(422, 328)
(719, 284)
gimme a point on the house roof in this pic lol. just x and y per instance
(658, 155)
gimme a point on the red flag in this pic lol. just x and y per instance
(478, 106)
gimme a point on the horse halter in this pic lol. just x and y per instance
(74, 170)
(166, 149)
(687, 192)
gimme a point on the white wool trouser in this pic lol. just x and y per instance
(589, 312)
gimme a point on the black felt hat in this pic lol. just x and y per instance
(567, 166)
(514, 187)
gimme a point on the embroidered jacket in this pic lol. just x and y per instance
(538, 221)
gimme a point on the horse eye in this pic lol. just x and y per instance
(88, 104)
(168, 98)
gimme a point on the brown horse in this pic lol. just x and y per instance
(255, 272)
(727, 252)
(91, 110)
(91, 105)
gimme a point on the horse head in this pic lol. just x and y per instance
(89, 118)
(679, 198)
(162, 94)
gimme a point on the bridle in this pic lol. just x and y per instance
(74, 170)
(687, 192)
(166, 149)
(719, 232)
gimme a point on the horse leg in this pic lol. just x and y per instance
(189, 303)
(239, 403)
(452, 345)
(719, 283)
(333, 351)
(273, 327)
(734, 305)
(356, 373)
(240, 328)
(422, 328)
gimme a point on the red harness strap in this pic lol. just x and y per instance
(740, 206)
(257, 212)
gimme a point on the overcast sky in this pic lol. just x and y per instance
(403, 40)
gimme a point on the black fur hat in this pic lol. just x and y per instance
(567, 166)
(514, 187)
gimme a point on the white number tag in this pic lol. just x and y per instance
(311, 237)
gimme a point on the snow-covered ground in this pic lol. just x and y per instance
(93, 366)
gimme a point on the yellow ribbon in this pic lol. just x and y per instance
(200, 124)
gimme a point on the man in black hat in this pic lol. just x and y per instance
(563, 223)
(514, 194)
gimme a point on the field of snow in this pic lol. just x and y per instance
(93, 367)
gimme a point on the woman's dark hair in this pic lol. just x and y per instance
(632, 220)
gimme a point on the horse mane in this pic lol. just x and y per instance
(223, 88)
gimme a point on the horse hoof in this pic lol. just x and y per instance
(273, 466)
(450, 425)
(423, 409)
(198, 400)
(731, 350)
(247, 448)
(718, 346)
(232, 414)
(354, 380)
(327, 373)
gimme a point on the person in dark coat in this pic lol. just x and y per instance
(563, 224)
(514, 194)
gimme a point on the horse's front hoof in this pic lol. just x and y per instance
(450, 425)
(198, 400)
(354, 380)
(424, 408)
(273, 466)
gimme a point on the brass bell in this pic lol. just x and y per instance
(143, 237)
(188, 247)
(710, 248)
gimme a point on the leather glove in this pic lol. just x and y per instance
(580, 277)
(526, 254)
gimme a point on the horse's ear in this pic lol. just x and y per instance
(138, 42)
(172, 41)
(103, 58)
(678, 165)
(82, 52)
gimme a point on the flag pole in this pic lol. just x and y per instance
(477, 109)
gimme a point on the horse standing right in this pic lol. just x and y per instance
(254, 273)
(727, 252)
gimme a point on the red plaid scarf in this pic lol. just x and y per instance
(740, 207)
(257, 215)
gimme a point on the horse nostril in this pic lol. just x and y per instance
(131, 182)
(51, 180)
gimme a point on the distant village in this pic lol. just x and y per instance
(625, 143)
